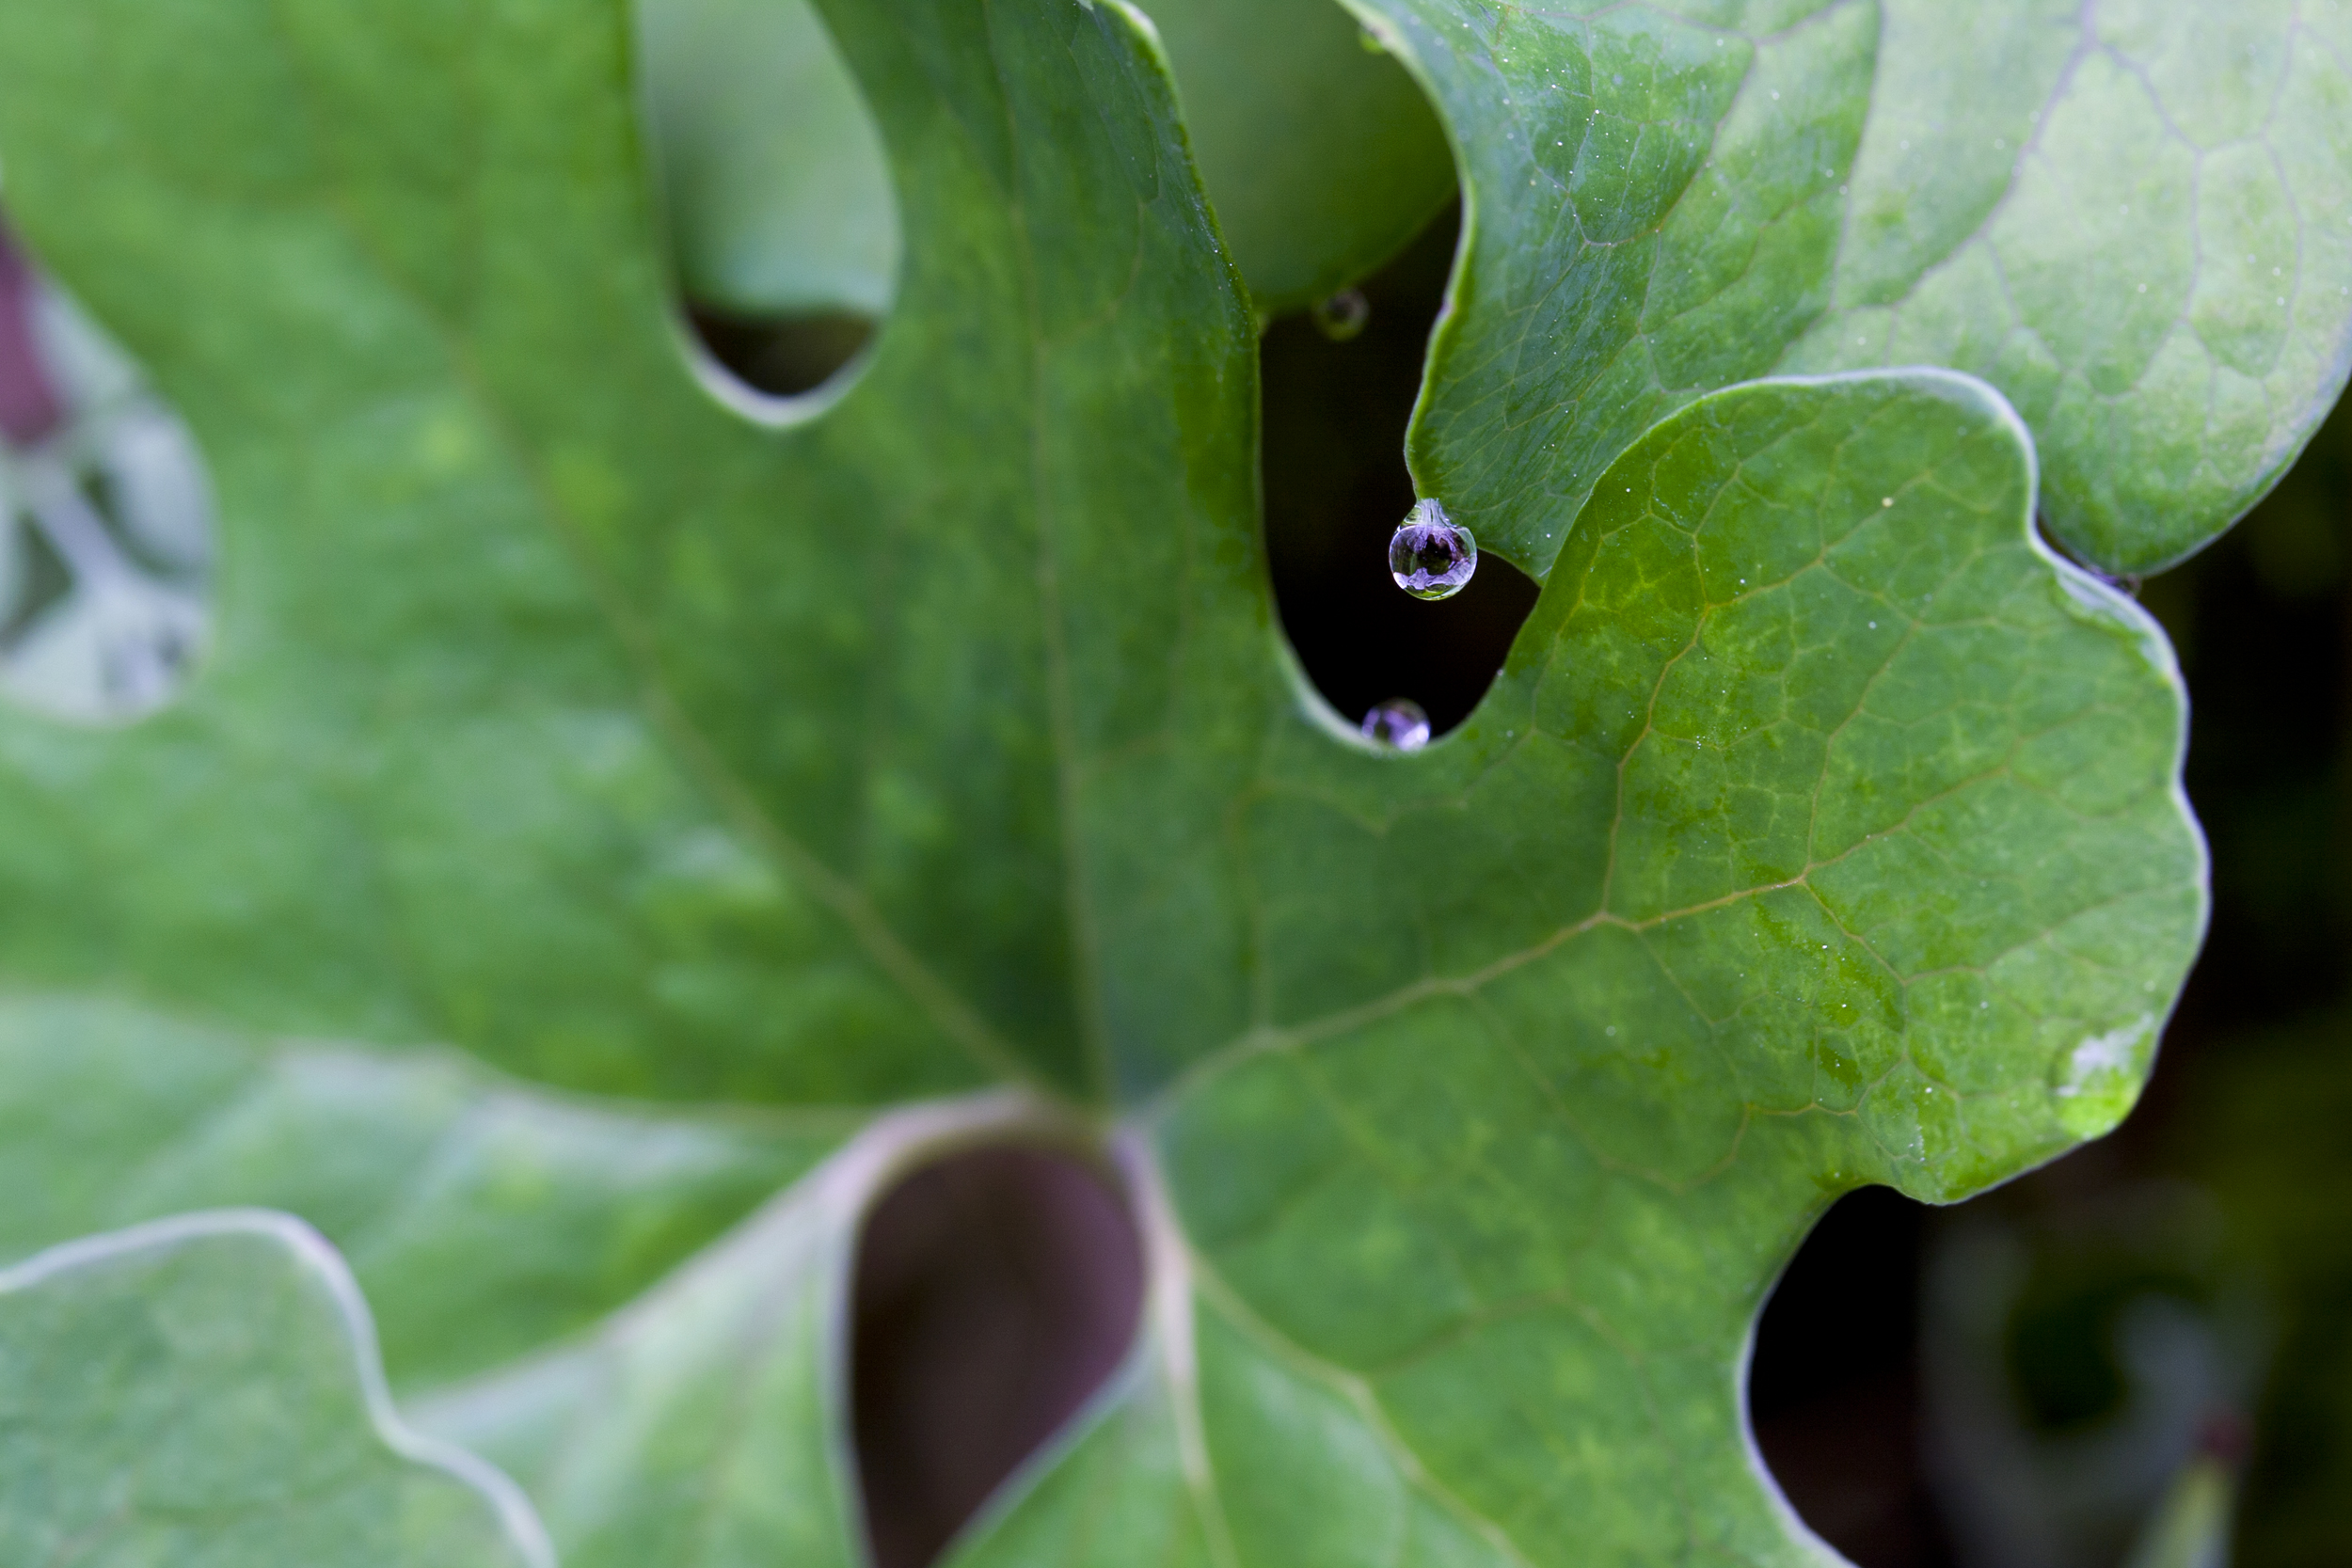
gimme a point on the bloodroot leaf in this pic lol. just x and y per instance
(206, 1390)
(1822, 827)
(2136, 220)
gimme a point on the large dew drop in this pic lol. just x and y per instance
(1431, 556)
(1397, 725)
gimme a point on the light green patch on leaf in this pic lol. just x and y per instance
(205, 1390)
(1816, 819)
(483, 1217)
(2101, 1075)
(2133, 222)
(774, 185)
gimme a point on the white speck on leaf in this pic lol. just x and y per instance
(2109, 1053)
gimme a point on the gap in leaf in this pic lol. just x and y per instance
(779, 215)
(995, 1289)
(783, 355)
(1337, 403)
(1833, 1390)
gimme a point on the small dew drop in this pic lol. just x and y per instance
(1874, 625)
(1610, 1031)
(1342, 315)
(1397, 725)
(1887, 501)
(1431, 556)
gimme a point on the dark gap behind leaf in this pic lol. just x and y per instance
(995, 1289)
(1833, 1390)
(781, 355)
(1336, 488)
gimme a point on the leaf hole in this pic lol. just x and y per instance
(781, 356)
(996, 1291)
(1336, 407)
(1834, 1386)
(779, 220)
(106, 517)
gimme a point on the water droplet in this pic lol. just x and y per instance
(1398, 724)
(1431, 556)
(1887, 501)
(1342, 315)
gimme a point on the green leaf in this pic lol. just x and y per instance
(773, 182)
(1822, 827)
(205, 1390)
(484, 1218)
(2130, 218)
(429, 784)
(1319, 153)
(1466, 1271)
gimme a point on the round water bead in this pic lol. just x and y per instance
(1341, 316)
(1430, 555)
(1398, 724)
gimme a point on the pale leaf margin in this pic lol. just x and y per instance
(308, 1249)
